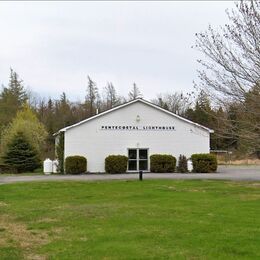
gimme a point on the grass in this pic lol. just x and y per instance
(153, 219)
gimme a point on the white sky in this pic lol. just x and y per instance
(53, 46)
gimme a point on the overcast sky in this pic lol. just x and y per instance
(53, 46)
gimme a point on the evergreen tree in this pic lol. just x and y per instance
(64, 115)
(12, 99)
(182, 164)
(205, 115)
(202, 113)
(49, 117)
(20, 155)
(134, 93)
(49, 122)
(16, 88)
(248, 121)
(92, 97)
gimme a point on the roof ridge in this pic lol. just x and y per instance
(128, 103)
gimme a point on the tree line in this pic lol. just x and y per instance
(39, 118)
(226, 98)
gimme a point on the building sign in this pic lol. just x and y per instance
(138, 128)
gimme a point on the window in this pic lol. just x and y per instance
(137, 159)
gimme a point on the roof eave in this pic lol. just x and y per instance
(61, 130)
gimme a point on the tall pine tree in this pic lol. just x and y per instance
(134, 93)
(91, 97)
(12, 99)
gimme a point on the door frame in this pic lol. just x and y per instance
(137, 159)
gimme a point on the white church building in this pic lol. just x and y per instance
(136, 129)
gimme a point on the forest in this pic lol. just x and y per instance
(19, 109)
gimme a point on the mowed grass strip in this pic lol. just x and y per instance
(159, 219)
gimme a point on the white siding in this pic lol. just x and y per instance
(95, 144)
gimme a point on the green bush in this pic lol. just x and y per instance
(75, 164)
(182, 164)
(162, 163)
(116, 164)
(204, 162)
(6, 169)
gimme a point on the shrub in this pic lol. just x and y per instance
(25, 121)
(20, 155)
(75, 164)
(6, 169)
(162, 163)
(116, 164)
(204, 162)
(182, 164)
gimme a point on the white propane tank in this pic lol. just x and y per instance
(55, 164)
(47, 166)
(190, 166)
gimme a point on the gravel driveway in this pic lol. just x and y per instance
(236, 173)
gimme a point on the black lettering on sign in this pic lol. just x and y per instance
(131, 127)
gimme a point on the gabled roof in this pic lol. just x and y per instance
(132, 102)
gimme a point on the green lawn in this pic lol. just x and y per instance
(156, 219)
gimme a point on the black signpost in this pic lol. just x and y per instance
(140, 175)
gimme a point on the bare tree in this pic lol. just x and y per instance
(110, 96)
(231, 69)
(175, 102)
